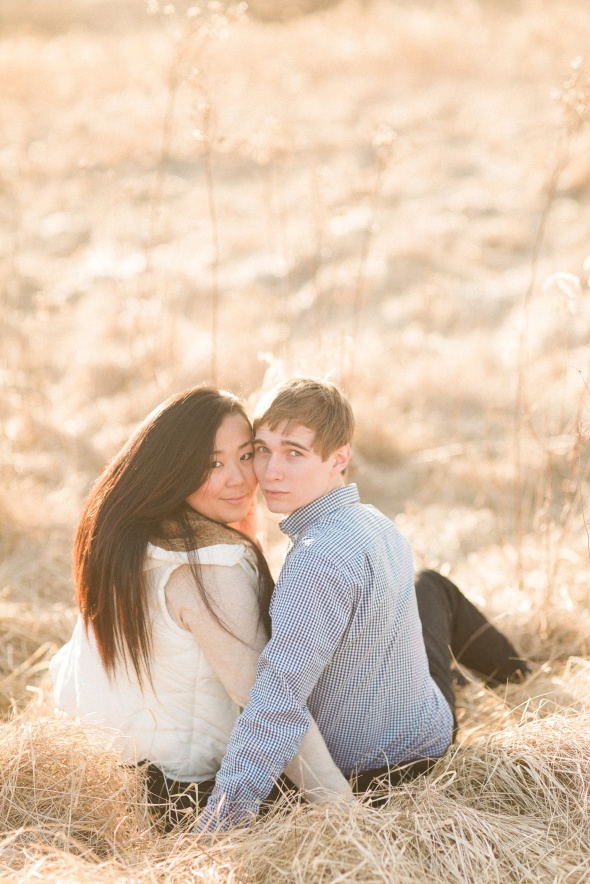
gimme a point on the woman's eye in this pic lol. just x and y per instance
(216, 464)
(248, 456)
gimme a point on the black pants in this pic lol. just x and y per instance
(453, 629)
(173, 802)
(176, 803)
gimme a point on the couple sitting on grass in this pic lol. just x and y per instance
(230, 689)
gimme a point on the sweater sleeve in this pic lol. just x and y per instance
(234, 651)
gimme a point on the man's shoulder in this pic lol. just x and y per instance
(356, 517)
(345, 533)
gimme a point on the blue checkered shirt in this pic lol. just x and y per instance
(346, 647)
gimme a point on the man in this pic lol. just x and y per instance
(348, 627)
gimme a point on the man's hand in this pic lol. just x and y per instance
(213, 821)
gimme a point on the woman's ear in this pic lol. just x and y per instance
(340, 458)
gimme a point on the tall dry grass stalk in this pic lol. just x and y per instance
(194, 27)
(382, 143)
(575, 103)
(206, 137)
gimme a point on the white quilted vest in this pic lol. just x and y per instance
(184, 723)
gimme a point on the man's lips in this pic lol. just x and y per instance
(272, 492)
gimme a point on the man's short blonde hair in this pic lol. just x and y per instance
(318, 405)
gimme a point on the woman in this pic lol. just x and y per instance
(174, 594)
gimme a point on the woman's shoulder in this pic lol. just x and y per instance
(191, 538)
(215, 554)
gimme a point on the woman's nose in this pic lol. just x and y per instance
(237, 474)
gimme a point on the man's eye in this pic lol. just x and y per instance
(262, 449)
(294, 453)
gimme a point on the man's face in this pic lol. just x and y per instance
(290, 473)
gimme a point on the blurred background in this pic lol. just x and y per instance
(395, 193)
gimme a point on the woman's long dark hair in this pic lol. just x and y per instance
(148, 481)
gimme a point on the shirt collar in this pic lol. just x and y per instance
(297, 521)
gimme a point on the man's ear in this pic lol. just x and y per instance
(340, 459)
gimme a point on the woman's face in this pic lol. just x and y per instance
(227, 492)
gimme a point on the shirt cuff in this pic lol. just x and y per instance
(221, 814)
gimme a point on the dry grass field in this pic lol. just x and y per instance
(396, 192)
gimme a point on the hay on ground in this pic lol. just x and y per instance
(509, 803)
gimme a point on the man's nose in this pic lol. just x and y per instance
(273, 468)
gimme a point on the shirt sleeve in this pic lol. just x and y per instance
(312, 607)
(234, 656)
